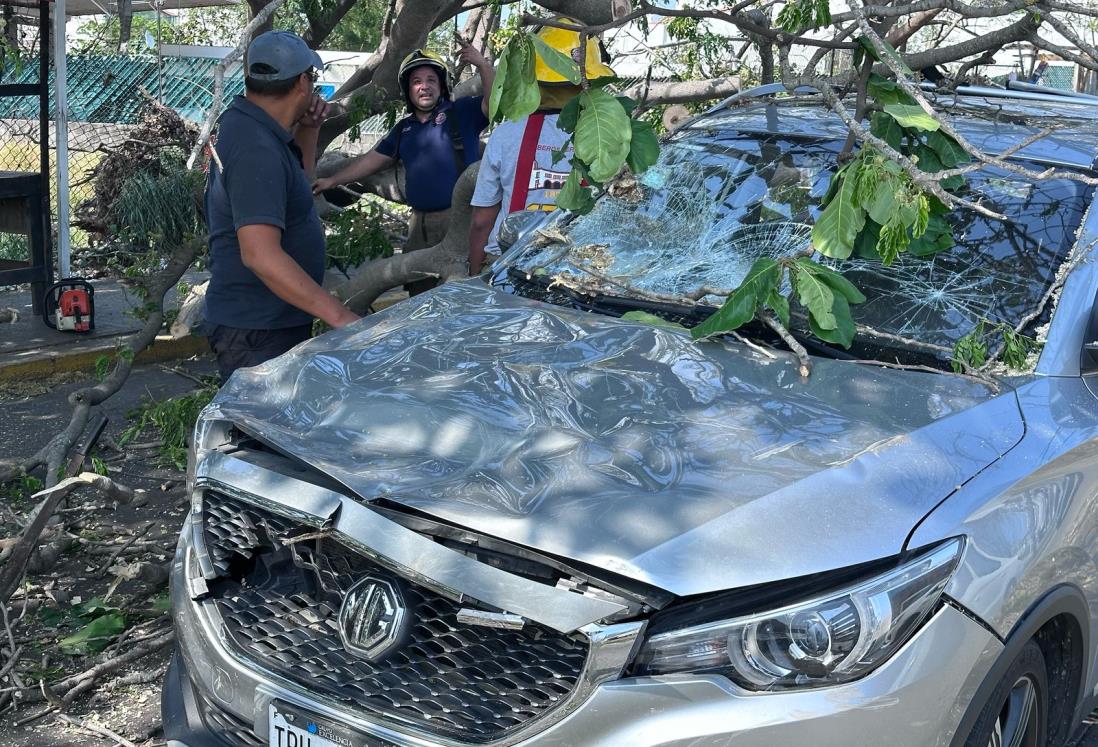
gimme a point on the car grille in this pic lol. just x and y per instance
(470, 683)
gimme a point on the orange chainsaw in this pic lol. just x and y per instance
(70, 306)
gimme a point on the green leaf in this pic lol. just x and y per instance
(843, 333)
(912, 116)
(922, 216)
(884, 202)
(644, 147)
(839, 223)
(894, 240)
(890, 52)
(949, 152)
(1016, 348)
(886, 91)
(835, 280)
(559, 63)
(740, 307)
(627, 104)
(603, 134)
(95, 636)
(779, 304)
(816, 296)
(887, 129)
(953, 183)
(569, 115)
(928, 159)
(497, 89)
(519, 95)
(645, 318)
(574, 196)
(970, 351)
(865, 246)
(867, 47)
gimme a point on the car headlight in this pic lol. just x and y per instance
(824, 641)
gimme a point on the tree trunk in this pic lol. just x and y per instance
(447, 260)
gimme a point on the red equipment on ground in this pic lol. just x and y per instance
(70, 305)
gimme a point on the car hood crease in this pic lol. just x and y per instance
(690, 466)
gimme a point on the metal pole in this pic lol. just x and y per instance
(61, 93)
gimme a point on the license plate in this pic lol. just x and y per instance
(291, 727)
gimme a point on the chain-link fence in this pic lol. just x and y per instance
(108, 98)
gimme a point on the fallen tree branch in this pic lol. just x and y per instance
(50, 498)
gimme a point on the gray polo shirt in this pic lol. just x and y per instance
(263, 182)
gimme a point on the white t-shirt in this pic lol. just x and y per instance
(496, 179)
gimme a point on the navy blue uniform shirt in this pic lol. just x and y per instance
(427, 150)
(263, 183)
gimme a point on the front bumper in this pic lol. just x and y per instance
(916, 699)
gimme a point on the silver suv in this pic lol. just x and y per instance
(519, 512)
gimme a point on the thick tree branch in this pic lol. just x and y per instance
(446, 260)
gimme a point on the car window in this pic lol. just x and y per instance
(713, 205)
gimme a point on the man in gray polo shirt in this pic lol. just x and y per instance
(266, 240)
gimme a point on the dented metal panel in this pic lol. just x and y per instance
(693, 467)
(414, 556)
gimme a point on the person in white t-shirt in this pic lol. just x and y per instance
(523, 167)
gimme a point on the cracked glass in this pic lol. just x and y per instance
(712, 205)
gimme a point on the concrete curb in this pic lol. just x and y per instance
(41, 363)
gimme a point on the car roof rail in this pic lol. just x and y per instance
(1018, 85)
(757, 92)
(1019, 92)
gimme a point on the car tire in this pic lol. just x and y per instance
(1016, 714)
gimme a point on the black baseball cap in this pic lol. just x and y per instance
(280, 55)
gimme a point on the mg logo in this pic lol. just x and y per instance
(373, 618)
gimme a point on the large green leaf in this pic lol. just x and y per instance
(835, 280)
(740, 307)
(839, 223)
(569, 115)
(865, 246)
(497, 89)
(95, 636)
(949, 152)
(603, 134)
(889, 52)
(574, 196)
(816, 296)
(843, 333)
(779, 304)
(913, 116)
(887, 129)
(559, 63)
(884, 201)
(644, 148)
(520, 94)
(928, 159)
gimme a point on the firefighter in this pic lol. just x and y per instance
(436, 142)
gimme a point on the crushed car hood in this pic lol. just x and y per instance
(690, 466)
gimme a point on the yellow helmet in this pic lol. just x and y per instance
(419, 58)
(567, 43)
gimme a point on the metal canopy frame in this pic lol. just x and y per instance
(30, 187)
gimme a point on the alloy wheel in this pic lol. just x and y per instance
(1017, 723)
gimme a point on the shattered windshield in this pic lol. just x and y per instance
(713, 205)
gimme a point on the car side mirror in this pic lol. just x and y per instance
(517, 224)
(1088, 363)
